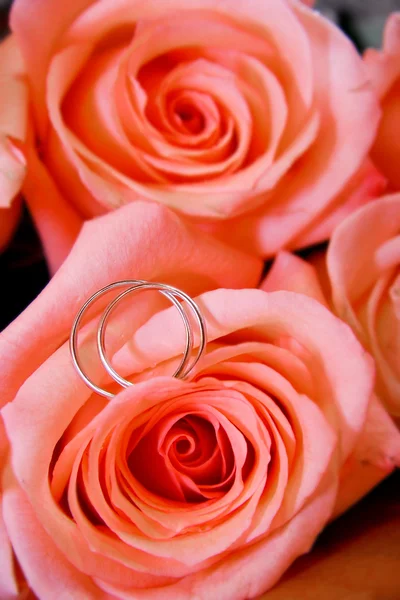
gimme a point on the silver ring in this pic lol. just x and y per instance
(170, 292)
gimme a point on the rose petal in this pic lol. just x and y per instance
(272, 315)
(57, 222)
(126, 236)
(375, 456)
(365, 235)
(46, 569)
(8, 581)
(293, 274)
(246, 574)
(37, 48)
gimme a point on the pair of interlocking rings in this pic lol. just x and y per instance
(173, 294)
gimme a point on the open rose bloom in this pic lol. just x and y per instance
(208, 488)
(246, 117)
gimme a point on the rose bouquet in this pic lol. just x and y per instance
(185, 143)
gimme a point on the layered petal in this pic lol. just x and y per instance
(142, 241)
(364, 288)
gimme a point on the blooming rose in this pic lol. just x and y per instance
(384, 69)
(364, 268)
(13, 107)
(249, 118)
(139, 240)
(205, 489)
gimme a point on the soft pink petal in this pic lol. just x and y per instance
(291, 273)
(46, 569)
(28, 20)
(248, 573)
(375, 456)
(57, 222)
(272, 315)
(366, 185)
(8, 581)
(141, 240)
(359, 284)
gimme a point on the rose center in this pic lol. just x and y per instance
(190, 117)
(187, 458)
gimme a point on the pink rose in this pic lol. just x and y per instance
(13, 119)
(205, 489)
(248, 118)
(139, 240)
(364, 468)
(384, 70)
(364, 268)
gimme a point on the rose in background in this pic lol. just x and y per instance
(359, 278)
(363, 262)
(277, 433)
(384, 71)
(252, 119)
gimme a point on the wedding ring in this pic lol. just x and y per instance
(173, 294)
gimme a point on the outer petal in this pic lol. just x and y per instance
(253, 231)
(28, 21)
(367, 184)
(62, 580)
(376, 454)
(342, 88)
(384, 70)
(291, 273)
(246, 574)
(140, 240)
(8, 580)
(56, 220)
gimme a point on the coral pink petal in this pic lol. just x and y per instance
(28, 20)
(14, 97)
(56, 220)
(291, 273)
(46, 569)
(228, 311)
(317, 182)
(375, 456)
(8, 580)
(366, 185)
(246, 574)
(360, 237)
(123, 253)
